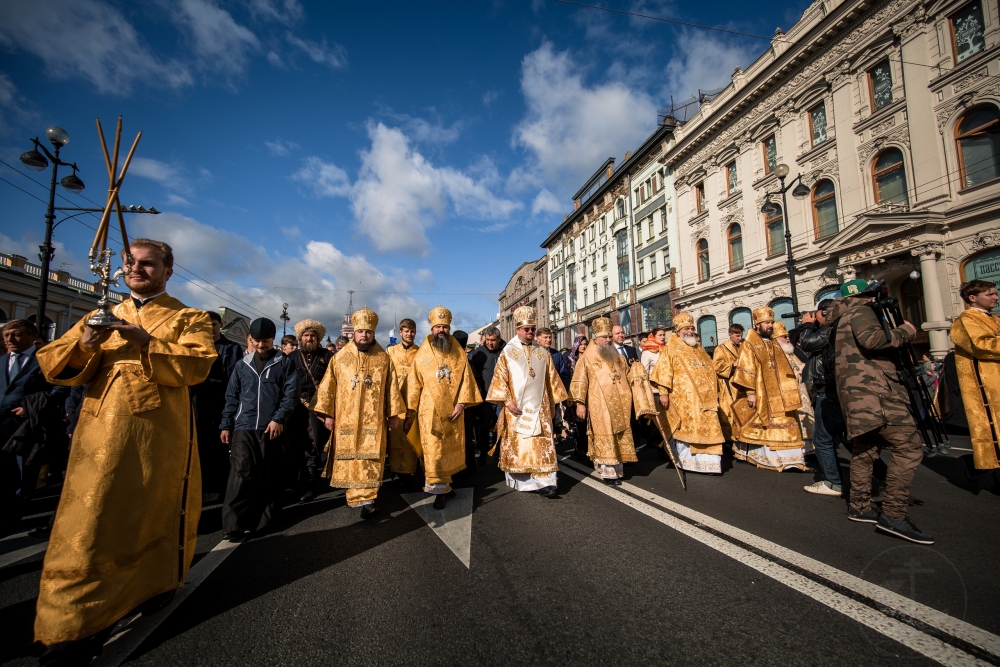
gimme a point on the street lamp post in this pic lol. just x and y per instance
(35, 161)
(800, 192)
(284, 318)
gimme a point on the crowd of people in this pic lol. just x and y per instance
(146, 421)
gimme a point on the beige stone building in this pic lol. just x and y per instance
(526, 287)
(887, 114)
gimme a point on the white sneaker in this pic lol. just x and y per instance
(823, 488)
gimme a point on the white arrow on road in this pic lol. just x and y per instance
(453, 524)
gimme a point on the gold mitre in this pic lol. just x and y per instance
(682, 320)
(601, 326)
(364, 319)
(763, 314)
(306, 324)
(439, 315)
(524, 317)
(779, 330)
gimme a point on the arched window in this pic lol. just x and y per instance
(828, 293)
(709, 333)
(704, 268)
(781, 308)
(824, 200)
(889, 177)
(978, 138)
(911, 293)
(742, 316)
(735, 235)
(774, 224)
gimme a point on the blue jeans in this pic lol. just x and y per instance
(829, 424)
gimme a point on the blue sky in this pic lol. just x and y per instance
(416, 152)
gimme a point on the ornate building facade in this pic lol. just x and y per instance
(526, 287)
(884, 119)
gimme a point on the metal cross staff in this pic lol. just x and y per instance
(100, 254)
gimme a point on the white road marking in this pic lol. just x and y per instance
(120, 646)
(453, 524)
(909, 636)
(11, 557)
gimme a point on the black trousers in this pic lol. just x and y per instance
(308, 437)
(253, 493)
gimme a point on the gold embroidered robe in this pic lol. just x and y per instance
(976, 336)
(604, 388)
(359, 411)
(434, 398)
(133, 481)
(525, 453)
(807, 418)
(723, 359)
(762, 367)
(687, 375)
(404, 448)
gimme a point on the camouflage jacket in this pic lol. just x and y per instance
(870, 392)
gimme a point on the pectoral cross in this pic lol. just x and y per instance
(354, 381)
(443, 372)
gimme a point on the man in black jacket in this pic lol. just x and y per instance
(814, 340)
(261, 396)
(307, 433)
(483, 361)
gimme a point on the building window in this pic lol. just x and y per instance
(651, 228)
(623, 277)
(911, 300)
(774, 224)
(604, 257)
(699, 197)
(709, 332)
(656, 312)
(666, 261)
(595, 292)
(978, 138)
(638, 234)
(824, 199)
(585, 301)
(742, 316)
(889, 176)
(621, 239)
(731, 177)
(591, 236)
(620, 208)
(652, 266)
(817, 124)
(782, 308)
(571, 269)
(967, 31)
(606, 293)
(604, 223)
(663, 220)
(704, 268)
(880, 85)
(735, 238)
(770, 146)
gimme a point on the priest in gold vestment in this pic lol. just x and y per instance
(359, 400)
(724, 361)
(439, 388)
(807, 418)
(770, 436)
(404, 440)
(976, 335)
(527, 385)
(603, 396)
(685, 377)
(127, 521)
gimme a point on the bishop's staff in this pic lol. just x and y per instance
(100, 254)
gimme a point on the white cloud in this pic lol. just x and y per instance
(546, 202)
(572, 127)
(88, 39)
(280, 147)
(15, 110)
(491, 96)
(335, 57)
(704, 61)
(325, 179)
(167, 175)
(177, 200)
(275, 60)
(286, 11)
(221, 44)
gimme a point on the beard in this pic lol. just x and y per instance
(766, 335)
(363, 347)
(787, 348)
(690, 340)
(441, 342)
(309, 348)
(143, 286)
(607, 353)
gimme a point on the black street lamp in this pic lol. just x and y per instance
(800, 192)
(284, 319)
(36, 161)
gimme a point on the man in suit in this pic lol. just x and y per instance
(627, 351)
(19, 377)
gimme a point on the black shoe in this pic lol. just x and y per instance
(618, 482)
(903, 528)
(870, 515)
(233, 535)
(307, 496)
(610, 482)
(549, 492)
(368, 512)
(78, 652)
(439, 502)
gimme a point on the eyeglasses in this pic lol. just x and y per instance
(528, 329)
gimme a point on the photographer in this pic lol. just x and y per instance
(876, 407)
(818, 377)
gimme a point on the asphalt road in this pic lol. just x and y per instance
(745, 568)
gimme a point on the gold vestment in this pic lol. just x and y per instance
(976, 336)
(522, 453)
(723, 359)
(763, 368)
(604, 389)
(686, 374)
(437, 382)
(127, 521)
(360, 391)
(807, 419)
(404, 448)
